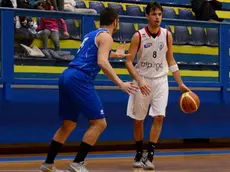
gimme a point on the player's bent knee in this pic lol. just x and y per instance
(101, 123)
(138, 122)
(159, 119)
(68, 126)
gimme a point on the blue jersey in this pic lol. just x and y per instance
(86, 57)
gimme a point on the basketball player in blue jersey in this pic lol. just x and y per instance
(78, 95)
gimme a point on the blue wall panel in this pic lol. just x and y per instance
(31, 116)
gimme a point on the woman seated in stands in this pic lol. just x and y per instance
(58, 5)
(71, 6)
(49, 27)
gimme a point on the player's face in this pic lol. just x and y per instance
(155, 18)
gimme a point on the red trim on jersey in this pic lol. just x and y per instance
(167, 37)
(149, 34)
(139, 45)
(147, 31)
(159, 33)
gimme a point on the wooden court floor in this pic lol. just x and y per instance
(191, 163)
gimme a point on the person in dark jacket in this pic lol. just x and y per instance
(24, 4)
(205, 9)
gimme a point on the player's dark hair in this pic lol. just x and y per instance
(108, 16)
(152, 6)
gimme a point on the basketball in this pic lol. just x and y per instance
(189, 102)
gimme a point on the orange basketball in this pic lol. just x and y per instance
(189, 102)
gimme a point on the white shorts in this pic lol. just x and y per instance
(138, 104)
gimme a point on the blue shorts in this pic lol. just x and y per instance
(77, 95)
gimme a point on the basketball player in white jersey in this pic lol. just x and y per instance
(153, 47)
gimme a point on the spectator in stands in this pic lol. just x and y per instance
(9, 3)
(205, 9)
(16, 4)
(70, 5)
(25, 34)
(24, 4)
(34, 3)
(49, 27)
(12, 4)
(6, 3)
(57, 4)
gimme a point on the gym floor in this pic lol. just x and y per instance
(196, 160)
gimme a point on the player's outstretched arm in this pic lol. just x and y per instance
(104, 42)
(173, 67)
(118, 55)
(144, 87)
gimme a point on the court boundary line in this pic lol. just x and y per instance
(117, 155)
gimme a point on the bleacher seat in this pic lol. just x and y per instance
(185, 14)
(96, 5)
(141, 26)
(168, 28)
(126, 31)
(212, 38)
(198, 36)
(116, 36)
(198, 64)
(80, 4)
(181, 62)
(134, 10)
(61, 33)
(181, 35)
(169, 13)
(169, 2)
(118, 8)
(74, 32)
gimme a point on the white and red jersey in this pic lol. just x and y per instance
(151, 56)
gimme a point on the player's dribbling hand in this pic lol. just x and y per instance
(129, 87)
(183, 88)
(144, 87)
